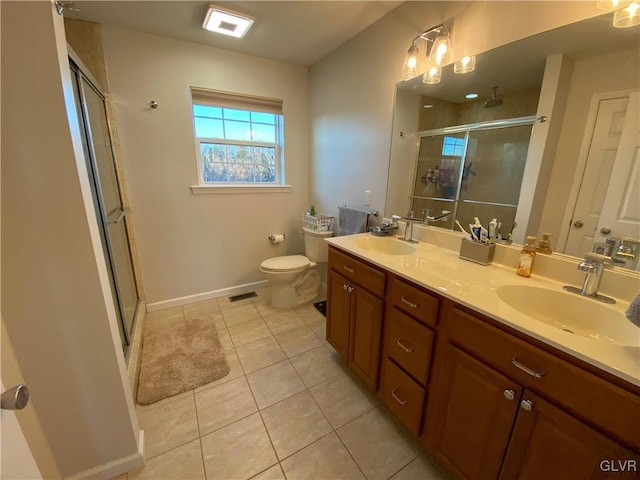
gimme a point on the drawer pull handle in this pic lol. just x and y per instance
(395, 397)
(526, 405)
(407, 302)
(526, 369)
(509, 394)
(403, 346)
(349, 269)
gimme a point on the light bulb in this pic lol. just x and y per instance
(628, 16)
(432, 76)
(410, 66)
(465, 65)
(440, 51)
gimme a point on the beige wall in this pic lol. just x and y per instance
(607, 73)
(352, 89)
(56, 300)
(194, 244)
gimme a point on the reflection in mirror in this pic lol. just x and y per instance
(432, 121)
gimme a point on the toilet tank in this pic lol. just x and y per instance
(315, 248)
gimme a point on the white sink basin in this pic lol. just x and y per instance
(572, 313)
(388, 245)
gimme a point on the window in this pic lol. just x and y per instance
(452, 146)
(239, 139)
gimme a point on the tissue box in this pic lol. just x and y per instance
(477, 252)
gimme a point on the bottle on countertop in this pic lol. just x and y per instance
(527, 257)
(544, 245)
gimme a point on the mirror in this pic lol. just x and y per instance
(516, 68)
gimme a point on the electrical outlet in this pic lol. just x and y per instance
(367, 197)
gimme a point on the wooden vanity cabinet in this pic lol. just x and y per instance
(503, 408)
(355, 308)
(407, 350)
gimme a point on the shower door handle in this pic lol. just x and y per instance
(118, 219)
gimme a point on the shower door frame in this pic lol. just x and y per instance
(466, 129)
(101, 215)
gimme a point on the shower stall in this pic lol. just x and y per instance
(473, 170)
(113, 218)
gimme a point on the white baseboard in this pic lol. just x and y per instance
(200, 297)
(116, 467)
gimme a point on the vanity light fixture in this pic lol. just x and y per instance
(441, 49)
(226, 22)
(465, 65)
(432, 76)
(609, 5)
(628, 16)
(437, 54)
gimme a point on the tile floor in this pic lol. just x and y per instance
(289, 408)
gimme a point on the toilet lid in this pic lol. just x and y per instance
(286, 263)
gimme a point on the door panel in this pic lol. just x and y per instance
(549, 443)
(365, 335)
(605, 138)
(472, 419)
(621, 206)
(338, 313)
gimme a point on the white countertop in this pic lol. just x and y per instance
(472, 285)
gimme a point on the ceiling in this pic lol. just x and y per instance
(296, 32)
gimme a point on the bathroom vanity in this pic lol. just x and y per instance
(491, 391)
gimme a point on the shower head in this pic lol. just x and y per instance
(494, 102)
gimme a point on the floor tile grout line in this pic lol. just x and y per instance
(204, 465)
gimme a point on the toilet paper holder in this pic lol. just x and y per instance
(276, 239)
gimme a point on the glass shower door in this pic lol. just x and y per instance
(112, 216)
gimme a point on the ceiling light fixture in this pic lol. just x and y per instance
(438, 52)
(226, 22)
(628, 16)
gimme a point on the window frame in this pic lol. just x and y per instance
(227, 100)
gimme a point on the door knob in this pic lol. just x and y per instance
(578, 224)
(15, 398)
(605, 230)
(509, 394)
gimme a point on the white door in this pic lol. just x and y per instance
(620, 215)
(603, 146)
(16, 459)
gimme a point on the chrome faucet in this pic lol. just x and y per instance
(408, 231)
(593, 264)
(426, 218)
(387, 228)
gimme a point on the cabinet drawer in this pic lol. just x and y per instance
(366, 276)
(402, 395)
(409, 343)
(607, 406)
(414, 301)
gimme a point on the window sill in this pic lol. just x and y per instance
(217, 189)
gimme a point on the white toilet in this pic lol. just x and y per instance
(294, 278)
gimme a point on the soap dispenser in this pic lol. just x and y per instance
(527, 257)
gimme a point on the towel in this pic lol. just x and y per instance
(633, 312)
(352, 220)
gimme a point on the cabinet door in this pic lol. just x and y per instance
(365, 335)
(549, 443)
(471, 414)
(338, 313)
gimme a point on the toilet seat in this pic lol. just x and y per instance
(287, 263)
